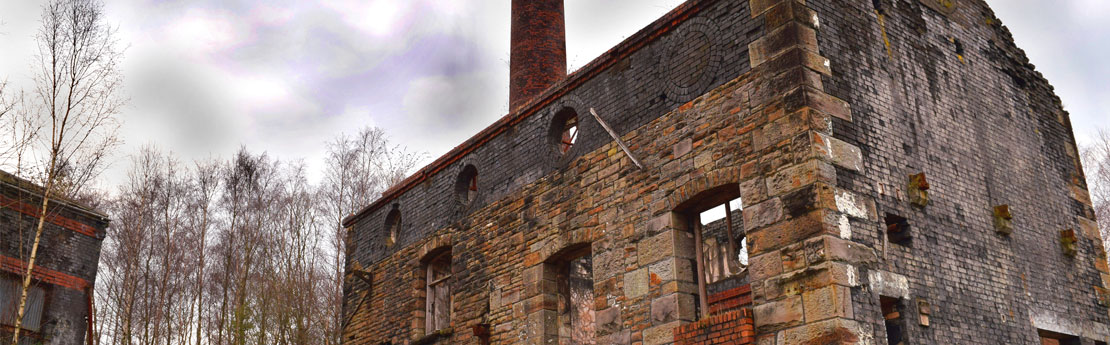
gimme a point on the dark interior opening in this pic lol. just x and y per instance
(466, 186)
(1053, 338)
(564, 130)
(892, 317)
(898, 229)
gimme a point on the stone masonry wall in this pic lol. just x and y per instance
(65, 267)
(834, 105)
(643, 274)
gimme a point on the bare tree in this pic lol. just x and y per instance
(206, 182)
(358, 170)
(1096, 165)
(76, 95)
(239, 251)
(20, 129)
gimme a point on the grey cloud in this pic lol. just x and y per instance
(1066, 40)
(436, 78)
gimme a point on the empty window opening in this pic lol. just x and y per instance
(466, 186)
(1053, 338)
(898, 229)
(574, 278)
(393, 225)
(564, 130)
(723, 242)
(892, 317)
(570, 134)
(437, 312)
(720, 256)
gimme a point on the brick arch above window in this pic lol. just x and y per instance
(433, 245)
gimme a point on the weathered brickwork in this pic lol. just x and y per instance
(539, 50)
(65, 267)
(729, 321)
(729, 328)
(955, 99)
(815, 114)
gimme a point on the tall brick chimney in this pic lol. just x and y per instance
(538, 55)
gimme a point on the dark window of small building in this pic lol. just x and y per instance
(576, 297)
(393, 225)
(898, 229)
(466, 185)
(1053, 338)
(437, 314)
(10, 290)
(892, 317)
(564, 130)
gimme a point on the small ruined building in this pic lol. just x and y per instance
(896, 172)
(59, 302)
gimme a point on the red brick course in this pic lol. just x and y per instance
(731, 299)
(46, 275)
(33, 211)
(731, 327)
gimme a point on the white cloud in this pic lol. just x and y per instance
(203, 31)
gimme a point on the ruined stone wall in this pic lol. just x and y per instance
(938, 87)
(709, 48)
(65, 267)
(643, 274)
(816, 125)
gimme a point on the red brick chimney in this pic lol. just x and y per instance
(538, 55)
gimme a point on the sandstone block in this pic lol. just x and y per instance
(762, 214)
(827, 302)
(670, 269)
(669, 243)
(661, 334)
(636, 283)
(765, 266)
(779, 314)
(608, 320)
(673, 307)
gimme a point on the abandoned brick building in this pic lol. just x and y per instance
(59, 301)
(904, 176)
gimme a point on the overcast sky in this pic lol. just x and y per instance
(287, 76)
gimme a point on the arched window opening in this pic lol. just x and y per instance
(437, 311)
(466, 186)
(574, 293)
(715, 219)
(393, 225)
(570, 134)
(724, 242)
(564, 130)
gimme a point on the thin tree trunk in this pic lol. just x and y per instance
(34, 249)
(200, 270)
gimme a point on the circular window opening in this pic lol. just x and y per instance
(466, 187)
(393, 225)
(564, 130)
